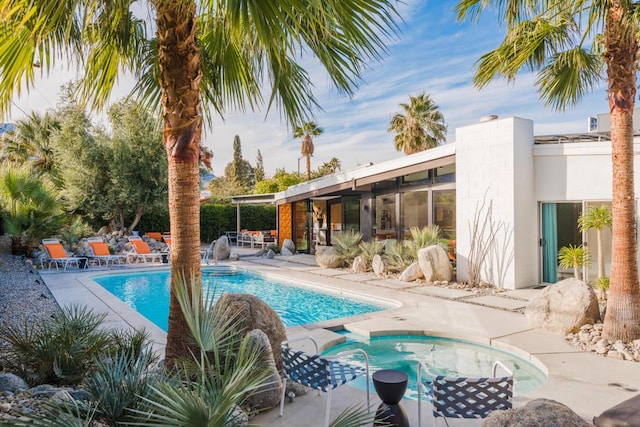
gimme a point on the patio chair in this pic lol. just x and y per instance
(322, 373)
(58, 256)
(462, 397)
(100, 252)
(141, 251)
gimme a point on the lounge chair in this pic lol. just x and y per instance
(58, 256)
(141, 251)
(323, 373)
(100, 252)
(461, 397)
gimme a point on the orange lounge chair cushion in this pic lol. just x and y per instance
(56, 250)
(100, 248)
(141, 247)
(155, 235)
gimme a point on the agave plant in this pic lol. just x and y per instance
(426, 236)
(346, 246)
(370, 249)
(400, 255)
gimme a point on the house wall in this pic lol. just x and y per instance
(495, 173)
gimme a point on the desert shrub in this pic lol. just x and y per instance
(60, 351)
(346, 246)
(426, 236)
(371, 248)
(399, 255)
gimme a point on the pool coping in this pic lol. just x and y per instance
(587, 383)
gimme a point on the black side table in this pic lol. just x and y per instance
(390, 386)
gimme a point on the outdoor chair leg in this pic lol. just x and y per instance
(284, 390)
(328, 410)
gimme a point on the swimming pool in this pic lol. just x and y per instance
(148, 294)
(443, 356)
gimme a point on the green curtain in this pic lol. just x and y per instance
(549, 243)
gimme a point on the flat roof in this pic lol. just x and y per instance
(576, 137)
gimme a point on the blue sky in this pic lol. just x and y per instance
(432, 54)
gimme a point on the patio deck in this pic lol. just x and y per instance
(587, 383)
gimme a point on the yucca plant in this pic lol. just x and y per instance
(573, 257)
(399, 255)
(426, 236)
(60, 351)
(370, 249)
(346, 246)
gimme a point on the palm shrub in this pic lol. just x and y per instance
(346, 246)
(574, 257)
(399, 255)
(60, 351)
(370, 249)
(75, 231)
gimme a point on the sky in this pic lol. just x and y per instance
(432, 53)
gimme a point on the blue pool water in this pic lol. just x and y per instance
(443, 356)
(148, 294)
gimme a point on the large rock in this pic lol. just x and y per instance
(537, 413)
(326, 257)
(563, 307)
(434, 263)
(256, 314)
(267, 396)
(288, 247)
(411, 273)
(377, 264)
(12, 383)
(359, 264)
(221, 249)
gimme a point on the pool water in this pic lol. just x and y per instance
(443, 356)
(148, 294)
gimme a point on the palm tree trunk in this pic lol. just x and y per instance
(622, 320)
(308, 167)
(180, 82)
(600, 254)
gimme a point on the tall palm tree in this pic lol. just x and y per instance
(419, 126)
(570, 43)
(596, 218)
(306, 131)
(205, 56)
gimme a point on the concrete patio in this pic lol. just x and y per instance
(587, 383)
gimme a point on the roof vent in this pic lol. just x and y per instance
(488, 118)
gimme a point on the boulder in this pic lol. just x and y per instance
(434, 263)
(267, 396)
(288, 247)
(377, 264)
(256, 314)
(326, 257)
(538, 412)
(234, 256)
(12, 383)
(270, 254)
(238, 417)
(359, 264)
(221, 249)
(563, 307)
(411, 273)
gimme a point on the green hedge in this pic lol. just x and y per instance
(215, 219)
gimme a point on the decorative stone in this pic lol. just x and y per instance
(538, 412)
(619, 346)
(221, 249)
(270, 254)
(377, 264)
(326, 257)
(289, 245)
(268, 395)
(238, 417)
(359, 265)
(256, 314)
(286, 251)
(11, 382)
(5, 407)
(234, 256)
(435, 264)
(411, 273)
(564, 307)
(615, 355)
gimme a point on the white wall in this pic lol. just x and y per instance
(494, 165)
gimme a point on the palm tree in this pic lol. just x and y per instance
(205, 57)
(596, 218)
(553, 38)
(419, 126)
(306, 131)
(574, 257)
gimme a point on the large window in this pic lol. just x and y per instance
(385, 217)
(444, 212)
(414, 211)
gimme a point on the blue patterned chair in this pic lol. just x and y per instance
(461, 397)
(322, 373)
